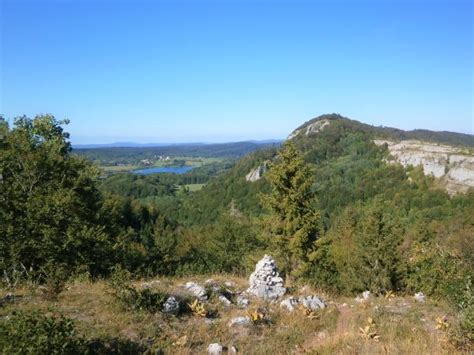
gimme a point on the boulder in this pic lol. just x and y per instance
(265, 282)
(171, 305)
(197, 290)
(215, 349)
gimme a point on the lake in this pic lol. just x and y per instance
(164, 169)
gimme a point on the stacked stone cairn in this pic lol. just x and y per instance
(265, 282)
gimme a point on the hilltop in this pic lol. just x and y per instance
(317, 124)
(447, 156)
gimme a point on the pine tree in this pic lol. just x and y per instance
(292, 223)
(378, 238)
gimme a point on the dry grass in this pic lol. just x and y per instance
(402, 326)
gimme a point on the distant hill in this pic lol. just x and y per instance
(131, 144)
(451, 138)
(350, 165)
(221, 150)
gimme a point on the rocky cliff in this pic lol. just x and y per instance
(452, 166)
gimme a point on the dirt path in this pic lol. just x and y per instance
(323, 337)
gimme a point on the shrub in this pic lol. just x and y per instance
(54, 279)
(132, 299)
(37, 333)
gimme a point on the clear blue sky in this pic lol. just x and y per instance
(174, 71)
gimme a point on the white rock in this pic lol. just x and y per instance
(420, 297)
(225, 300)
(239, 321)
(214, 349)
(242, 301)
(257, 173)
(453, 166)
(197, 290)
(289, 303)
(363, 298)
(265, 282)
(171, 305)
(312, 302)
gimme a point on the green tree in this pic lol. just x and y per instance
(292, 223)
(378, 237)
(49, 202)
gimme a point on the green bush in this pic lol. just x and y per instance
(131, 298)
(36, 333)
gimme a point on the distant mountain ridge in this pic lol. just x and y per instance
(223, 150)
(151, 145)
(445, 137)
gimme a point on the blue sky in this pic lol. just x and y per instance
(177, 71)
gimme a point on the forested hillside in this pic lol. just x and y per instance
(331, 209)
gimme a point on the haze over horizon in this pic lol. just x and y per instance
(205, 71)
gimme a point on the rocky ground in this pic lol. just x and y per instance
(227, 314)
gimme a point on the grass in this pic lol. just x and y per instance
(404, 326)
(194, 187)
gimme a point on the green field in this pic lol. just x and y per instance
(194, 187)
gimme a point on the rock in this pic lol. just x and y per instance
(452, 166)
(257, 173)
(214, 286)
(225, 300)
(420, 297)
(242, 301)
(171, 305)
(314, 127)
(363, 298)
(197, 290)
(239, 321)
(312, 302)
(290, 303)
(229, 284)
(215, 349)
(265, 282)
(232, 350)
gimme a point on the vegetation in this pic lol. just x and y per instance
(36, 333)
(133, 155)
(331, 210)
(293, 224)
